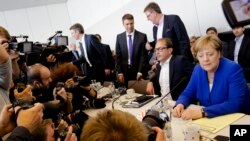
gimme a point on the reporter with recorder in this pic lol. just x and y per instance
(216, 82)
(172, 73)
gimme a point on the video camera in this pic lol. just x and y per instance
(237, 12)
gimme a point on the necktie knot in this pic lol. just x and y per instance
(130, 45)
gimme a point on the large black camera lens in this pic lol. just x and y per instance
(154, 118)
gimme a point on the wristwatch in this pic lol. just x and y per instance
(203, 112)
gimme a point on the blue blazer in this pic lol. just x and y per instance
(228, 93)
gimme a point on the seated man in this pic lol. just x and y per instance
(117, 125)
(172, 73)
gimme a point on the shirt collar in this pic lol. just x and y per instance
(166, 62)
(132, 33)
(161, 21)
(237, 39)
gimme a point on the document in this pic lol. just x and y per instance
(214, 125)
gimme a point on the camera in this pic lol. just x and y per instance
(24, 104)
(93, 103)
(154, 118)
(75, 119)
(236, 12)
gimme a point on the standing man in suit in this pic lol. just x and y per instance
(213, 31)
(93, 58)
(172, 73)
(130, 51)
(111, 61)
(168, 26)
(239, 50)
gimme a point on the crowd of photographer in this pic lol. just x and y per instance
(37, 103)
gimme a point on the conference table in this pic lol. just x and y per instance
(140, 112)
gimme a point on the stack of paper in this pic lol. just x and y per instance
(214, 125)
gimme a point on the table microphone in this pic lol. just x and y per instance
(178, 84)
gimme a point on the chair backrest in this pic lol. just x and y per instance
(139, 86)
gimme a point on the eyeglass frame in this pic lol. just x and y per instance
(160, 49)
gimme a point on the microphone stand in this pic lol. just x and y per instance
(184, 78)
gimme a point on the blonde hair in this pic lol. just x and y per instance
(208, 41)
(114, 125)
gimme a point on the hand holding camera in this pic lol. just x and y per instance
(24, 93)
(35, 115)
(6, 124)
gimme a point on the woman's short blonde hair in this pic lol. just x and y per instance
(208, 41)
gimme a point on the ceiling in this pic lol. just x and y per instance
(17, 4)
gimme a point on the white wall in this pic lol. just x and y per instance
(38, 23)
(105, 19)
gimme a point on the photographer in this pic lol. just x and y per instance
(117, 125)
(5, 68)
(25, 126)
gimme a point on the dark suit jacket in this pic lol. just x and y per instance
(243, 56)
(97, 57)
(111, 62)
(138, 57)
(179, 74)
(174, 29)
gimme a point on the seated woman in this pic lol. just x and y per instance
(217, 83)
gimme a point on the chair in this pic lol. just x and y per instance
(139, 86)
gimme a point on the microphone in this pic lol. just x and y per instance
(178, 84)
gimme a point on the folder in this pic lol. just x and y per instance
(215, 124)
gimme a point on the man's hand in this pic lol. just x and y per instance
(148, 46)
(107, 71)
(51, 58)
(3, 53)
(178, 110)
(70, 136)
(6, 124)
(150, 88)
(30, 118)
(121, 78)
(160, 135)
(26, 94)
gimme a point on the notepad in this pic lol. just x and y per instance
(214, 125)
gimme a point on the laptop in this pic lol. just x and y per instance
(139, 101)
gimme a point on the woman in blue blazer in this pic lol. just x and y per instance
(216, 82)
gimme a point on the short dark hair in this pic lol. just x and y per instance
(127, 17)
(167, 42)
(4, 33)
(152, 6)
(33, 73)
(78, 27)
(212, 28)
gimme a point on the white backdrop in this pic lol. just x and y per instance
(104, 17)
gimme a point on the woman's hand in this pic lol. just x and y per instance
(178, 110)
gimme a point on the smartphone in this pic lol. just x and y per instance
(221, 138)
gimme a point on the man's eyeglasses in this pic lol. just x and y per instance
(160, 49)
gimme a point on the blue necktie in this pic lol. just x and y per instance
(130, 45)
